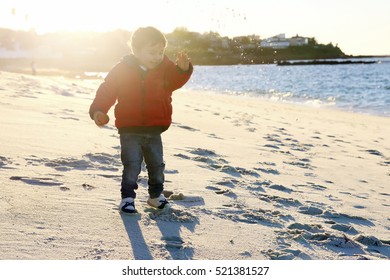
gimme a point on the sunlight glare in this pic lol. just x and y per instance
(357, 26)
(71, 15)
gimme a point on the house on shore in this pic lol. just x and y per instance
(299, 41)
(280, 41)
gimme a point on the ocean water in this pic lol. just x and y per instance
(363, 88)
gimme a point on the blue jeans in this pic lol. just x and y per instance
(134, 149)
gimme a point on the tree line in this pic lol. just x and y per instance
(95, 51)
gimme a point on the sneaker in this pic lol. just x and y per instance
(127, 206)
(159, 202)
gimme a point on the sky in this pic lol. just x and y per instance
(358, 27)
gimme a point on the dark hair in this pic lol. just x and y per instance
(146, 35)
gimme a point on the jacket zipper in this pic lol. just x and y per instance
(143, 121)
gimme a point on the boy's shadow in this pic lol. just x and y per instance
(171, 240)
(137, 240)
(178, 248)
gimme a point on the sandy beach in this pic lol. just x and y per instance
(250, 179)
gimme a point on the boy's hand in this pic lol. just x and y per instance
(182, 61)
(100, 118)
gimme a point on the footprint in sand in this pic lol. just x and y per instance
(70, 118)
(173, 247)
(173, 242)
(5, 162)
(302, 163)
(88, 187)
(316, 137)
(104, 161)
(280, 188)
(271, 146)
(67, 164)
(316, 234)
(41, 181)
(225, 168)
(244, 171)
(331, 214)
(311, 185)
(239, 212)
(99, 161)
(182, 156)
(313, 228)
(345, 228)
(278, 255)
(213, 135)
(187, 127)
(274, 138)
(268, 170)
(278, 200)
(217, 163)
(258, 186)
(296, 146)
(228, 182)
(369, 240)
(374, 152)
(203, 152)
(173, 214)
(217, 190)
(385, 163)
(310, 210)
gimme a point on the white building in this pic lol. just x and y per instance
(280, 42)
(275, 42)
(299, 41)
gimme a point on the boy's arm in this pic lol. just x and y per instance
(183, 61)
(100, 118)
(179, 73)
(106, 96)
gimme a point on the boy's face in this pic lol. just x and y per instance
(150, 56)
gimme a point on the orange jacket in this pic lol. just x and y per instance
(144, 103)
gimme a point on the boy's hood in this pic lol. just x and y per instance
(130, 60)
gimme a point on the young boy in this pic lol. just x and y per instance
(141, 85)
